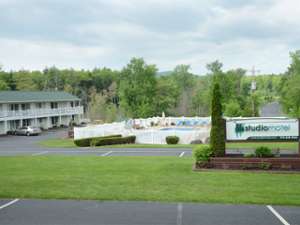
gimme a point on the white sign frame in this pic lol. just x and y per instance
(255, 129)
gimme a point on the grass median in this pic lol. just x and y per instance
(69, 143)
(167, 179)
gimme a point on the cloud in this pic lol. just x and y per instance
(93, 33)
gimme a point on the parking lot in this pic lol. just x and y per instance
(65, 212)
(26, 211)
(22, 145)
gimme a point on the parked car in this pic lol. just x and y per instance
(28, 131)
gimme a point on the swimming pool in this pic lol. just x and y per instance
(178, 129)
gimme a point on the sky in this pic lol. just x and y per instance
(86, 34)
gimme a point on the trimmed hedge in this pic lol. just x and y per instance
(94, 141)
(83, 142)
(172, 140)
(115, 141)
(86, 142)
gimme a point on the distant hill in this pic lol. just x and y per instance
(163, 73)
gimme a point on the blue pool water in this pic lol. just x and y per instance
(178, 128)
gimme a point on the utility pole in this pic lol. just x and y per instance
(253, 87)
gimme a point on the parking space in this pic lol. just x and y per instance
(141, 213)
(290, 214)
(228, 214)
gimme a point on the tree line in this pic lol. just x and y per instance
(139, 90)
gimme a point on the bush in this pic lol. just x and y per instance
(115, 140)
(86, 142)
(172, 140)
(265, 166)
(202, 153)
(94, 141)
(263, 152)
(83, 142)
(249, 155)
(196, 142)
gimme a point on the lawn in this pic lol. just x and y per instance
(68, 143)
(167, 179)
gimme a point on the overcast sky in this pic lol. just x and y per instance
(84, 34)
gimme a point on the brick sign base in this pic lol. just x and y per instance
(252, 163)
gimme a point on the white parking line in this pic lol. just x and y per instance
(9, 203)
(107, 153)
(182, 153)
(179, 214)
(40, 153)
(282, 220)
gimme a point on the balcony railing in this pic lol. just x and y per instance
(36, 113)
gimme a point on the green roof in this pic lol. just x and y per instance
(36, 96)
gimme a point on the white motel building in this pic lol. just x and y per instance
(38, 108)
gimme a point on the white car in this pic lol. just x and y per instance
(28, 131)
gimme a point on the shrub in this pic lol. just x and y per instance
(202, 153)
(86, 142)
(94, 141)
(265, 166)
(83, 142)
(196, 142)
(172, 140)
(217, 132)
(115, 140)
(263, 152)
(249, 155)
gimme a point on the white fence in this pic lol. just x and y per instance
(152, 130)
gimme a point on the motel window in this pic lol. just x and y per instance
(54, 105)
(14, 107)
(38, 105)
(25, 106)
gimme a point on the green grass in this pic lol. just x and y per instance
(167, 179)
(58, 143)
(68, 143)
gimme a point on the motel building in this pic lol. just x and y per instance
(42, 109)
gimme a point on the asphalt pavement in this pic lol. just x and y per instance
(63, 212)
(23, 145)
(66, 212)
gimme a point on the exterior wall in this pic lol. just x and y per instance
(2, 127)
(38, 114)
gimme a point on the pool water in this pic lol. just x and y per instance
(178, 128)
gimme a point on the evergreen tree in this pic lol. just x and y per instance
(217, 133)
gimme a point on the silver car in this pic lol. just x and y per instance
(28, 131)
